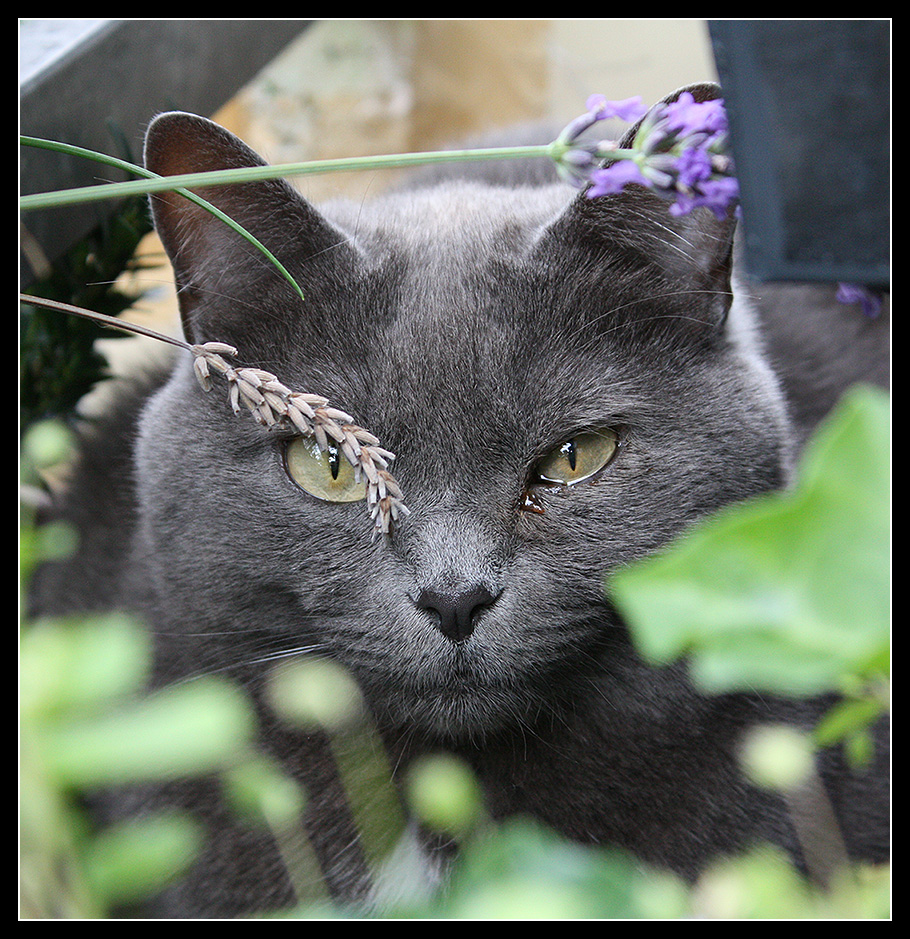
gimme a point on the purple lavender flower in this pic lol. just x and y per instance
(679, 152)
(687, 116)
(629, 109)
(614, 178)
(693, 167)
(716, 194)
(854, 293)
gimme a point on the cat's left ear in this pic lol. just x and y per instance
(216, 270)
(693, 251)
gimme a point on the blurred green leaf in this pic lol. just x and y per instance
(51, 884)
(763, 884)
(777, 756)
(45, 444)
(847, 717)
(257, 789)
(444, 794)
(129, 862)
(77, 665)
(53, 541)
(183, 730)
(315, 693)
(789, 592)
(522, 870)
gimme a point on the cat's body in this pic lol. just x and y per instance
(473, 329)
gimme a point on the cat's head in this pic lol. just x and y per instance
(567, 383)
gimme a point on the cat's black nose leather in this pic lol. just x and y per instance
(457, 611)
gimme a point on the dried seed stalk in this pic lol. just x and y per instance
(272, 403)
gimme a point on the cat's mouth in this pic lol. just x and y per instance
(467, 690)
(468, 662)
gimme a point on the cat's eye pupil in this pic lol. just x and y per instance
(576, 459)
(334, 458)
(326, 474)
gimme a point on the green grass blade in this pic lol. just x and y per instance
(26, 203)
(251, 174)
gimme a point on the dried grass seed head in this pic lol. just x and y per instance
(272, 403)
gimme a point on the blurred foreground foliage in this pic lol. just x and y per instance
(788, 593)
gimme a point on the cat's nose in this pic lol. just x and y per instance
(457, 611)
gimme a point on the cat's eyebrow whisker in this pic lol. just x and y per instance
(677, 239)
(678, 243)
(363, 199)
(211, 294)
(652, 318)
(338, 244)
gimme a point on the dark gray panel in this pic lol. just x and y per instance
(809, 109)
(97, 83)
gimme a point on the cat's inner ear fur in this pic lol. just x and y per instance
(211, 261)
(694, 251)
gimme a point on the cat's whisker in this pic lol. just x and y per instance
(297, 652)
(338, 244)
(215, 295)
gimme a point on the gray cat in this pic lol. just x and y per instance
(567, 384)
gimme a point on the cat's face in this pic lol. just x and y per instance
(563, 394)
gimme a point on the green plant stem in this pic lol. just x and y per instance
(58, 147)
(259, 173)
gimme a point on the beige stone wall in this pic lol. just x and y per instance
(353, 87)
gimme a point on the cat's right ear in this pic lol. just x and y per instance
(689, 255)
(212, 263)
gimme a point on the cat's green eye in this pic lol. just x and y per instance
(327, 475)
(578, 458)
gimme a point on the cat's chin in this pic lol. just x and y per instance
(452, 719)
(456, 712)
